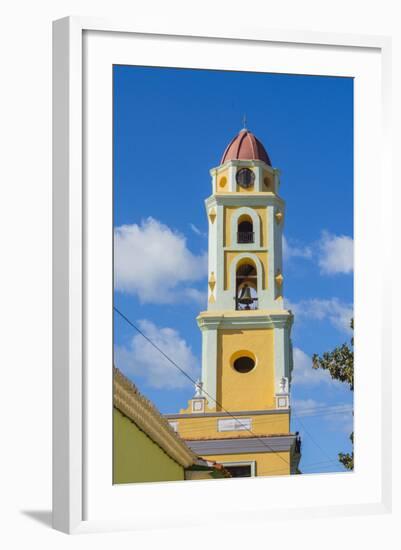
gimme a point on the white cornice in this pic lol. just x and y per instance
(240, 199)
(237, 162)
(245, 319)
(245, 248)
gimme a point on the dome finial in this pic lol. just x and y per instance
(244, 122)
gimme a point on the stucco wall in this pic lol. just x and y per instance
(254, 390)
(206, 426)
(136, 458)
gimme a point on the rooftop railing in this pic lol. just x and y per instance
(245, 237)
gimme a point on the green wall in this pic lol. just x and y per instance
(137, 458)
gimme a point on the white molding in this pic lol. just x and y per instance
(282, 359)
(219, 255)
(282, 398)
(232, 182)
(209, 362)
(230, 249)
(233, 274)
(243, 319)
(242, 32)
(237, 163)
(68, 458)
(198, 405)
(234, 425)
(237, 199)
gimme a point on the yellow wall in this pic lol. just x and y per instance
(266, 463)
(270, 178)
(137, 458)
(246, 391)
(230, 256)
(206, 426)
(229, 211)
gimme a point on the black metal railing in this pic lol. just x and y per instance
(245, 236)
(239, 306)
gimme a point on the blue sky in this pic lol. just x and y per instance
(170, 127)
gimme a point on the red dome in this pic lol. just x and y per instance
(245, 146)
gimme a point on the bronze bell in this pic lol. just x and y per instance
(245, 297)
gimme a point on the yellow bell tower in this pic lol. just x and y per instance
(240, 414)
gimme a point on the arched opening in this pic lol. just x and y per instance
(245, 230)
(246, 295)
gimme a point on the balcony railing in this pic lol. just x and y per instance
(245, 236)
(246, 307)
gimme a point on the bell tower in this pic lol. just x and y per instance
(246, 344)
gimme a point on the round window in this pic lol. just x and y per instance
(245, 178)
(244, 364)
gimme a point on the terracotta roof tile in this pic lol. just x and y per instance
(245, 146)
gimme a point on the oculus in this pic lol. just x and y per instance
(245, 178)
(244, 364)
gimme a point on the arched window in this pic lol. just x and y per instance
(245, 230)
(246, 296)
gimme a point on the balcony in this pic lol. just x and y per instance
(250, 304)
(245, 237)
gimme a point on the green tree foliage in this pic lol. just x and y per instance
(347, 459)
(340, 364)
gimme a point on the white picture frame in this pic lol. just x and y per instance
(83, 49)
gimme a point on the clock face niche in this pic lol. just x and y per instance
(245, 178)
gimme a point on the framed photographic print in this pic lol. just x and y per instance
(208, 192)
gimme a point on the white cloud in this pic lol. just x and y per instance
(310, 407)
(153, 262)
(304, 374)
(141, 360)
(302, 405)
(335, 311)
(336, 254)
(338, 417)
(195, 295)
(333, 253)
(342, 422)
(290, 251)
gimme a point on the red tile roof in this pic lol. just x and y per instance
(245, 146)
